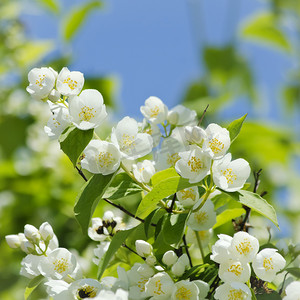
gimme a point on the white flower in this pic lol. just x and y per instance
(267, 263)
(218, 140)
(29, 266)
(194, 164)
(160, 286)
(118, 295)
(151, 129)
(230, 175)
(97, 232)
(13, 240)
(101, 157)
(181, 265)
(170, 258)
(131, 143)
(58, 264)
(155, 110)
(292, 291)
(100, 251)
(203, 288)
(180, 115)
(184, 289)
(85, 289)
(143, 248)
(46, 231)
(32, 233)
(69, 83)
(233, 270)
(58, 289)
(195, 135)
(233, 291)
(204, 218)
(205, 236)
(188, 197)
(87, 110)
(151, 260)
(41, 82)
(58, 122)
(244, 246)
(143, 171)
(220, 250)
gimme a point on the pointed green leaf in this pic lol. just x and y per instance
(117, 241)
(75, 19)
(162, 175)
(235, 127)
(294, 271)
(173, 227)
(89, 197)
(73, 141)
(121, 186)
(227, 215)
(262, 27)
(52, 5)
(272, 296)
(33, 283)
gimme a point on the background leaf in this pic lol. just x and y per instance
(52, 5)
(89, 197)
(235, 127)
(228, 215)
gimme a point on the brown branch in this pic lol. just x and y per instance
(203, 114)
(187, 250)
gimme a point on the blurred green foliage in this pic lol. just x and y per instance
(38, 183)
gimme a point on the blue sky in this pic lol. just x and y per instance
(152, 48)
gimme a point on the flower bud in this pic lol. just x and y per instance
(178, 269)
(32, 233)
(28, 247)
(108, 216)
(143, 248)
(169, 258)
(184, 259)
(151, 260)
(198, 134)
(54, 95)
(173, 117)
(46, 231)
(13, 241)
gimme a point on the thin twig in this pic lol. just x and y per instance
(203, 114)
(131, 250)
(187, 250)
(214, 285)
(170, 209)
(81, 173)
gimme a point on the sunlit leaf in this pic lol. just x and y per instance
(52, 5)
(33, 283)
(227, 215)
(235, 127)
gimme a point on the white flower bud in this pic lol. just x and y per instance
(108, 216)
(143, 248)
(173, 117)
(28, 247)
(169, 258)
(32, 233)
(178, 268)
(46, 231)
(151, 260)
(54, 95)
(13, 241)
(184, 259)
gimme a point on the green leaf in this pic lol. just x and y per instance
(121, 186)
(173, 227)
(73, 141)
(33, 283)
(89, 197)
(75, 19)
(253, 297)
(52, 5)
(262, 27)
(294, 271)
(256, 203)
(194, 272)
(228, 215)
(116, 242)
(273, 296)
(235, 127)
(165, 183)
(148, 221)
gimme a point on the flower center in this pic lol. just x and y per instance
(104, 159)
(188, 194)
(154, 111)
(229, 175)
(127, 141)
(86, 113)
(40, 81)
(141, 284)
(216, 146)
(158, 290)
(244, 247)
(195, 164)
(71, 83)
(201, 217)
(183, 293)
(60, 265)
(55, 123)
(87, 292)
(236, 269)
(236, 295)
(172, 159)
(268, 264)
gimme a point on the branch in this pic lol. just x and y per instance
(203, 114)
(187, 250)
(170, 209)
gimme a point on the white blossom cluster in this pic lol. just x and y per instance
(234, 254)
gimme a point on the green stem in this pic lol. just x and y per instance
(199, 244)
(96, 136)
(134, 179)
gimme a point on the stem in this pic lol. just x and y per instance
(203, 114)
(134, 179)
(187, 250)
(96, 136)
(131, 250)
(81, 174)
(170, 209)
(199, 244)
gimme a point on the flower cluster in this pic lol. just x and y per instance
(234, 254)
